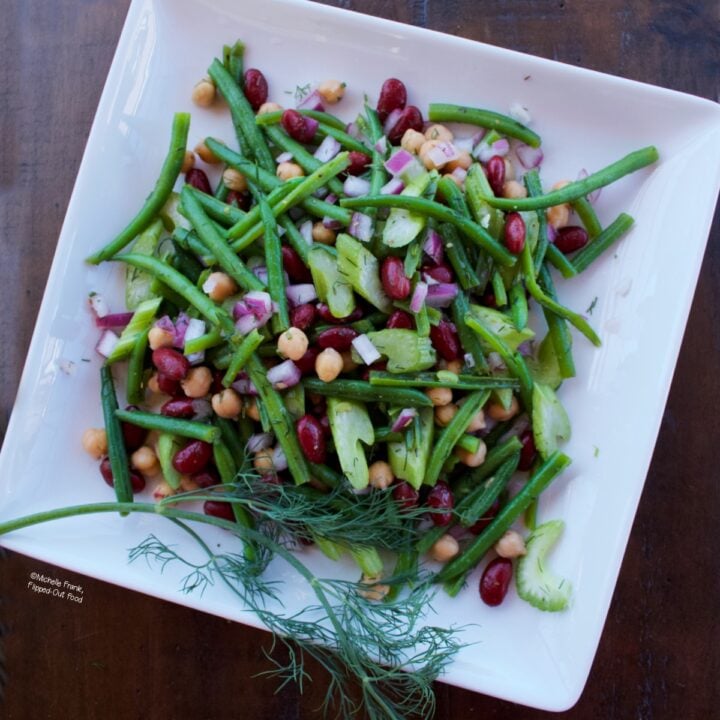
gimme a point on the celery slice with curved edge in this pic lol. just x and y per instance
(361, 269)
(550, 421)
(351, 426)
(141, 320)
(138, 283)
(332, 288)
(403, 226)
(501, 325)
(545, 368)
(409, 461)
(535, 583)
(404, 349)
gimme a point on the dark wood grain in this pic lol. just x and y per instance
(124, 656)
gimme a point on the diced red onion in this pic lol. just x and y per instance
(433, 246)
(459, 173)
(520, 113)
(285, 375)
(202, 408)
(595, 194)
(247, 324)
(404, 418)
(391, 121)
(469, 360)
(429, 279)
(483, 152)
(327, 149)
(244, 385)
(521, 424)
(195, 329)
(259, 303)
(98, 305)
(552, 233)
(529, 157)
(311, 125)
(353, 130)
(331, 223)
(525, 348)
(313, 101)
(495, 362)
(356, 186)
(443, 153)
(465, 144)
(259, 441)
(418, 297)
(364, 347)
(301, 294)
(181, 326)
(398, 162)
(331, 199)
(441, 295)
(394, 187)
(261, 273)
(113, 320)
(166, 324)
(306, 231)
(279, 459)
(106, 344)
(381, 145)
(284, 157)
(361, 227)
(321, 193)
(478, 136)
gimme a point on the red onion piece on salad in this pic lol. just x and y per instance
(113, 320)
(106, 344)
(285, 375)
(441, 295)
(259, 441)
(98, 305)
(404, 418)
(433, 246)
(201, 408)
(391, 120)
(284, 157)
(365, 349)
(361, 227)
(244, 385)
(306, 231)
(443, 152)
(313, 101)
(399, 162)
(279, 459)
(459, 173)
(469, 360)
(261, 273)
(483, 152)
(356, 186)
(393, 187)
(331, 199)
(195, 329)
(331, 224)
(418, 297)
(353, 130)
(181, 326)
(301, 294)
(529, 157)
(327, 149)
(381, 145)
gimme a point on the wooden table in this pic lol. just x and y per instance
(125, 656)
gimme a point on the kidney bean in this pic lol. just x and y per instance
(514, 233)
(238, 199)
(294, 266)
(311, 438)
(400, 319)
(495, 581)
(297, 127)
(571, 238)
(486, 519)
(359, 162)
(441, 497)
(199, 180)
(178, 408)
(410, 119)
(440, 273)
(205, 478)
(337, 338)
(168, 386)
(393, 96)
(219, 509)
(171, 363)
(394, 281)
(324, 312)
(302, 316)
(193, 457)
(405, 495)
(137, 482)
(256, 88)
(488, 299)
(306, 364)
(217, 383)
(444, 339)
(495, 170)
(528, 453)
(133, 435)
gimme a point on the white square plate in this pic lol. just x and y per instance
(644, 289)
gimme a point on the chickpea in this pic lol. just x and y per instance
(381, 475)
(511, 545)
(348, 363)
(269, 107)
(475, 459)
(558, 215)
(94, 442)
(293, 343)
(197, 382)
(152, 384)
(445, 548)
(234, 180)
(158, 337)
(227, 404)
(188, 161)
(424, 155)
(288, 170)
(219, 286)
(328, 364)
(412, 141)
(497, 412)
(203, 93)
(464, 161)
(206, 154)
(453, 366)
(264, 462)
(187, 484)
(477, 423)
(252, 410)
(509, 169)
(162, 490)
(145, 460)
(440, 395)
(322, 234)
(375, 590)
(331, 91)
(440, 133)
(513, 189)
(444, 414)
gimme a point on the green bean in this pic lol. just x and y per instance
(367, 392)
(518, 305)
(306, 160)
(221, 192)
(217, 245)
(455, 252)
(136, 364)
(534, 289)
(295, 238)
(534, 188)
(158, 197)
(602, 242)
(468, 339)
(243, 116)
(560, 262)
(557, 329)
(170, 296)
(498, 288)
(119, 464)
(385, 434)
(327, 476)
(580, 188)
(280, 420)
(233, 58)
(173, 426)
(513, 361)
(191, 243)
(430, 208)
(496, 457)
(445, 112)
(448, 379)
(185, 263)
(182, 286)
(588, 217)
(275, 271)
(377, 179)
(216, 209)
(210, 339)
(167, 446)
(540, 480)
(250, 343)
(468, 442)
(452, 432)
(231, 439)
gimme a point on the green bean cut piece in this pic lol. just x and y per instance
(220, 211)
(174, 426)
(497, 456)
(158, 197)
(275, 271)
(136, 365)
(559, 334)
(210, 339)
(250, 343)
(588, 217)
(117, 453)
(139, 323)
(560, 262)
(441, 379)
(585, 257)
(366, 392)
